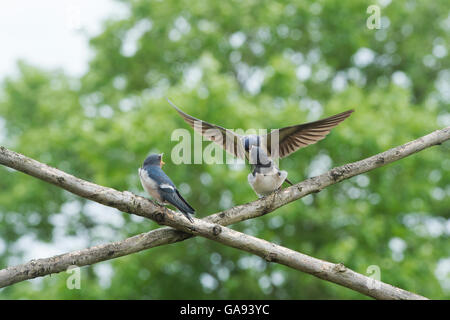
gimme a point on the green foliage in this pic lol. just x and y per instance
(102, 126)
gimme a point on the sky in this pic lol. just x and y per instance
(51, 33)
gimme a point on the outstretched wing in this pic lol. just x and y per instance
(296, 137)
(227, 139)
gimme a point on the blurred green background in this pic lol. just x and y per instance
(240, 64)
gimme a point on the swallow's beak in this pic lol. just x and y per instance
(162, 162)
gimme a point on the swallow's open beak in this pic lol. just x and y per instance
(162, 162)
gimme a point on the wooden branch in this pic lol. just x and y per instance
(130, 203)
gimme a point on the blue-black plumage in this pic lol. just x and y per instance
(160, 187)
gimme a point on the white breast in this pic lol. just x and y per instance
(265, 184)
(149, 185)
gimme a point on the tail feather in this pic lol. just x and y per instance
(191, 210)
(178, 201)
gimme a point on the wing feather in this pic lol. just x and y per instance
(227, 139)
(299, 136)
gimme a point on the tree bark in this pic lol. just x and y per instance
(209, 227)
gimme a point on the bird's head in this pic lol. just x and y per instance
(154, 160)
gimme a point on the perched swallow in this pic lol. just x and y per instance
(288, 139)
(160, 187)
(265, 177)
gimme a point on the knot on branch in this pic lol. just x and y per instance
(216, 230)
(160, 217)
(339, 268)
(380, 160)
(337, 174)
(270, 257)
